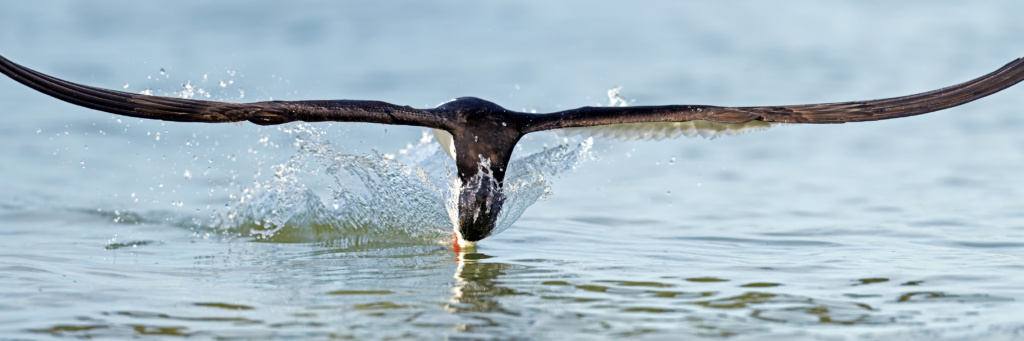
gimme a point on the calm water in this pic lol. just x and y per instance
(113, 227)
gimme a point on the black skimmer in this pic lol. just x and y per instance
(481, 135)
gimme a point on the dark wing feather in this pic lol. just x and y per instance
(880, 109)
(188, 110)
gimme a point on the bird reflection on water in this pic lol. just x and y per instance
(711, 306)
(478, 289)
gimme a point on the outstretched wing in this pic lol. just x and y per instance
(188, 110)
(739, 117)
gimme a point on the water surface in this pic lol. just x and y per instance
(115, 227)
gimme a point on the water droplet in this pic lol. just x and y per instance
(125, 86)
(188, 174)
(503, 124)
(188, 90)
(223, 84)
(614, 99)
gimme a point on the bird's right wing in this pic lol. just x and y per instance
(189, 110)
(712, 119)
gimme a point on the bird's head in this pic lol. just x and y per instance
(480, 202)
(471, 104)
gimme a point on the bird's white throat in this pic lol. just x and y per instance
(446, 140)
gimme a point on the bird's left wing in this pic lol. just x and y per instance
(188, 110)
(724, 119)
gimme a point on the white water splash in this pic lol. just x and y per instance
(615, 98)
(409, 195)
(526, 179)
